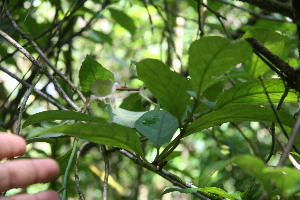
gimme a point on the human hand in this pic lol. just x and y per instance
(24, 172)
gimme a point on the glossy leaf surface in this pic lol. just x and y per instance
(213, 190)
(167, 86)
(90, 71)
(107, 134)
(239, 113)
(123, 19)
(158, 126)
(210, 57)
(272, 41)
(52, 115)
(254, 93)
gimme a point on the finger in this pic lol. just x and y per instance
(24, 172)
(46, 195)
(11, 145)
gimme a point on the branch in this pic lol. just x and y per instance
(292, 77)
(23, 104)
(41, 67)
(273, 6)
(261, 16)
(106, 163)
(175, 180)
(290, 143)
(44, 57)
(40, 93)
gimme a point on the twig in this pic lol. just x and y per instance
(168, 30)
(76, 174)
(261, 16)
(291, 76)
(273, 108)
(168, 176)
(26, 84)
(106, 162)
(55, 25)
(23, 104)
(23, 77)
(149, 16)
(129, 89)
(296, 8)
(44, 57)
(218, 15)
(41, 67)
(290, 143)
(200, 24)
(254, 149)
(272, 129)
(273, 6)
(86, 103)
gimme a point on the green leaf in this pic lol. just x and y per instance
(213, 190)
(107, 134)
(253, 92)
(210, 57)
(286, 179)
(218, 191)
(296, 154)
(158, 126)
(133, 103)
(186, 190)
(49, 138)
(52, 115)
(250, 164)
(123, 19)
(238, 113)
(63, 161)
(99, 37)
(272, 41)
(167, 86)
(207, 172)
(124, 117)
(90, 71)
(102, 88)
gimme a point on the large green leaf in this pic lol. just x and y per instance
(286, 179)
(250, 164)
(123, 19)
(271, 40)
(52, 115)
(133, 103)
(253, 93)
(167, 86)
(158, 126)
(213, 190)
(90, 72)
(124, 117)
(211, 57)
(105, 133)
(238, 113)
(206, 177)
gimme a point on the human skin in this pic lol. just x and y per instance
(20, 173)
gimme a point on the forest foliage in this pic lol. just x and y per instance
(156, 99)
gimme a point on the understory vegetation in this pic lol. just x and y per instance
(156, 99)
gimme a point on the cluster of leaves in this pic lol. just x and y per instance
(224, 82)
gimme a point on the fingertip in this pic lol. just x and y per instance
(52, 167)
(11, 145)
(49, 194)
(45, 195)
